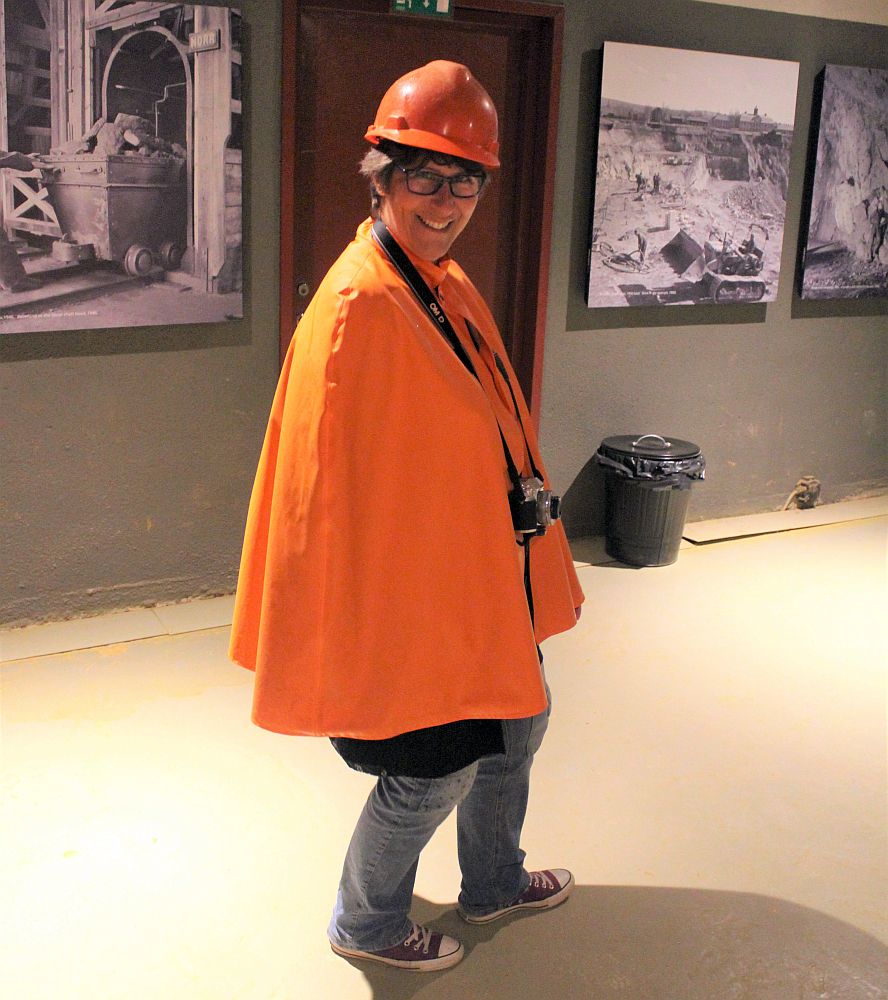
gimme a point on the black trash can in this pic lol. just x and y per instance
(647, 483)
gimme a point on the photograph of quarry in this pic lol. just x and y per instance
(846, 256)
(691, 177)
(120, 164)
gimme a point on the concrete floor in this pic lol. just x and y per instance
(715, 776)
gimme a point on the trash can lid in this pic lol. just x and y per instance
(649, 456)
(650, 446)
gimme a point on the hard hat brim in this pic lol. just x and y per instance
(436, 144)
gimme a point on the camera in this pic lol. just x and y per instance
(533, 508)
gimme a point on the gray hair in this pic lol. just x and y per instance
(381, 161)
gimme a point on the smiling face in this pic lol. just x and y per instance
(425, 224)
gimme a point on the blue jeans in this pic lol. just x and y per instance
(398, 820)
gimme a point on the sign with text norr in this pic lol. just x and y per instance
(424, 8)
(204, 41)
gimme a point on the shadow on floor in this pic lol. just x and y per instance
(634, 943)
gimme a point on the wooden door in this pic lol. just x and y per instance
(340, 56)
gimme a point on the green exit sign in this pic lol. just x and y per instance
(424, 8)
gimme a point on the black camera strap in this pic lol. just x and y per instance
(415, 282)
(501, 367)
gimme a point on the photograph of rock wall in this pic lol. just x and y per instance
(846, 255)
(120, 164)
(691, 177)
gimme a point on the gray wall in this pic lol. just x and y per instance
(770, 393)
(127, 456)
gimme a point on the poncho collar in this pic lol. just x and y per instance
(433, 273)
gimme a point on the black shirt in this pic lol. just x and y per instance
(424, 753)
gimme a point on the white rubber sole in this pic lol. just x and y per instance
(420, 965)
(543, 904)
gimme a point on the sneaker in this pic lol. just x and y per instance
(423, 950)
(547, 889)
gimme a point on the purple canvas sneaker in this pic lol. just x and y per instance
(423, 950)
(547, 888)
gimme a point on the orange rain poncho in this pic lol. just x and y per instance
(380, 587)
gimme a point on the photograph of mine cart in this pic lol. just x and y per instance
(120, 164)
(691, 177)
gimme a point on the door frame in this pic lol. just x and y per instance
(528, 359)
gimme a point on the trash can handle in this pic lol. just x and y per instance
(667, 444)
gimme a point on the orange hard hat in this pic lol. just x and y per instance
(440, 107)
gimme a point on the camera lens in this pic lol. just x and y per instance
(543, 516)
(548, 508)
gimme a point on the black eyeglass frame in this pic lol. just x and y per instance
(408, 173)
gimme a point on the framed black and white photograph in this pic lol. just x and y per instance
(691, 177)
(120, 164)
(846, 254)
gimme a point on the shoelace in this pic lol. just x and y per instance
(422, 936)
(541, 879)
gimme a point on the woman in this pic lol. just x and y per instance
(383, 600)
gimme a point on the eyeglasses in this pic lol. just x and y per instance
(429, 182)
